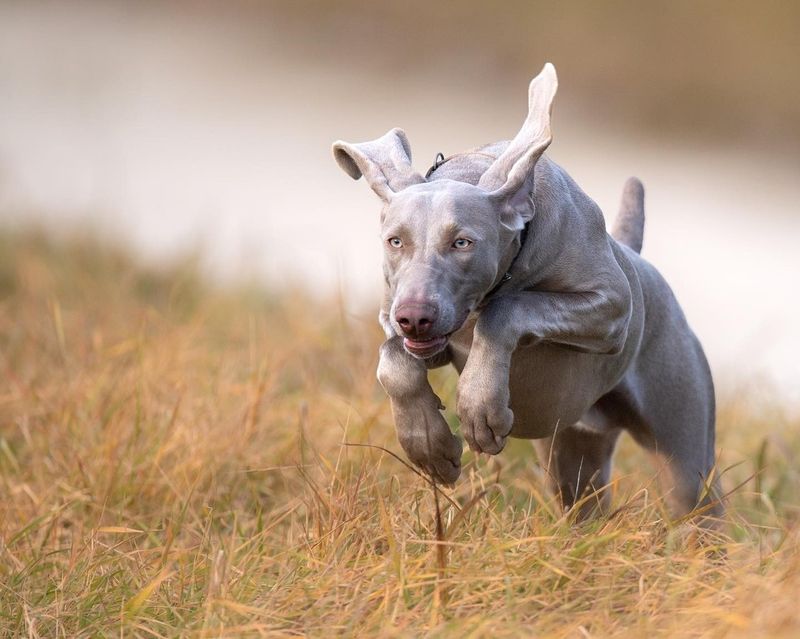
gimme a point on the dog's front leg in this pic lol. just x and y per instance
(421, 428)
(483, 396)
(592, 322)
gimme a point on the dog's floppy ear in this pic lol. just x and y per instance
(510, 178)
(385, 163)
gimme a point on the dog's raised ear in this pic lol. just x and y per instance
(510, 178)
(385, 163)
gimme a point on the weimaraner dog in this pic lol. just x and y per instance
(498, 263)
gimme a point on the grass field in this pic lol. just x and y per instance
(173, 462)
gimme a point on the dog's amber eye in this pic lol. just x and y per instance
(395, 242)
(461, 243)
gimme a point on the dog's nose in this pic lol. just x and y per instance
(416, 320)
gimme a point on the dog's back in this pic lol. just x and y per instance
(468, 167)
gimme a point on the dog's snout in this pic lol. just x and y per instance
(416, 320)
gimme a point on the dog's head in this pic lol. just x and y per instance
(445, 241)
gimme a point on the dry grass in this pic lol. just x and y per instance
(172, 463)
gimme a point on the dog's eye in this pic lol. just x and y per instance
(395, 242)
(461, 243)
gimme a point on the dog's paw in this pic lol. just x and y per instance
(486, 419)
(429, 444)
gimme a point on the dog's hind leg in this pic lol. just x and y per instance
(679, 409)
(678, 427)
(666, 398)
(692, 483)
(577, 460)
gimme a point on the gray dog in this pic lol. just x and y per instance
(498, 263)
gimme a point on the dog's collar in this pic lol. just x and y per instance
(437, 162)
(523, 235)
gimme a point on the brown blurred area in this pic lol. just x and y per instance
(725, 70)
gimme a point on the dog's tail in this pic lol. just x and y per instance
(629, 226)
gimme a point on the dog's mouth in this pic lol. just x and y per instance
(430, 346)
(425, 347)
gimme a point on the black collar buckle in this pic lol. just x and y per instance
(437, 162)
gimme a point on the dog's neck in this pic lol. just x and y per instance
(567, 233)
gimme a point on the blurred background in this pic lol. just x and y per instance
(205, 127)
